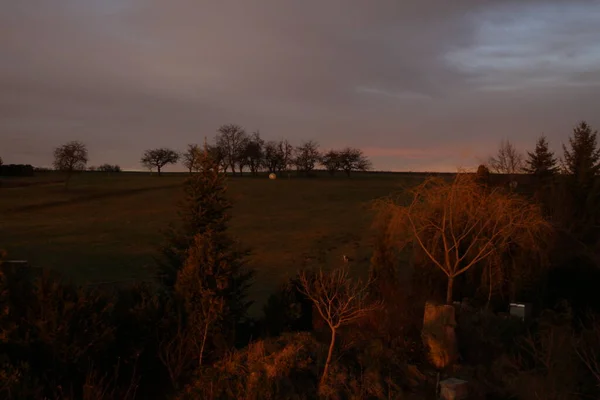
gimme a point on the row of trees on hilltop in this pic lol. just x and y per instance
(236, 151)
(580, 158)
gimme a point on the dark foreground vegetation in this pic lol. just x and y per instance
(449, 256)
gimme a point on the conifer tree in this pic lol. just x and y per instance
(580, 193)
(205, 206)
(542, 163)
(582, 161)
(212, 286)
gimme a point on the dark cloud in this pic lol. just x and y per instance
(435, 85)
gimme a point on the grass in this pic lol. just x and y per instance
(108, 227)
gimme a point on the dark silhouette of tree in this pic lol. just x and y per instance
(541, 162)
(232, 140)
(352, 160)
(307, 156)
(216, 153)
(286, 150)
(191, 156)
(69, 158)
(1, 162)
(482, 176)
(158, 158)
(578, 195)
(508, 160)
(582, 160)
(253, 154)
(205, 206)
(272, 156)
(332, 161)
(109, 168)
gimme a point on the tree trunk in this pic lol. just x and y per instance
(329, 355)
(203, 343)
(449, 290)
(489, 299)
(158, 169)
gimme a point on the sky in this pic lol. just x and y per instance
(419, 85)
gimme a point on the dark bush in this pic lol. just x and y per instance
(16, 170)
(109, 168)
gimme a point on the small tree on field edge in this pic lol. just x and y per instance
(69, 158)
(158, 158)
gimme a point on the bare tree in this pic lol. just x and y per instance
(339, 301)
(307, 156)
(352, 159)
(287, 155)
(272, 157)
(232, 140)
(460, 224)
(69, 158)
(253, 153)
(332, 161)
(158, 158)
(508, 160)
(191, 157)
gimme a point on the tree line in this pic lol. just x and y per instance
(236, 151)
(580, 157)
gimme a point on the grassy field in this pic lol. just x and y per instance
(107, 228)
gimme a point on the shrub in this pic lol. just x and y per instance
(16, 170)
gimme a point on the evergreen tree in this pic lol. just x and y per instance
(582, 161)
(212, 287)
(205, 206)
(579, 194)
(542, 163)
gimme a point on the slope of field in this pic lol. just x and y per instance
(107, 228)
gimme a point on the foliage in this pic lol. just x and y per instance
(541, 162)
(352, 160)
(582, 160)
(458, 225)
(16, 170)
(158, 158)
(204, 207)
(253, 153)
(482, 176)
(332, 161)
(212, 285)
(109, 168)
(191, 157)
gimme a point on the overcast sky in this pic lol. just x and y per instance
(417, 84)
